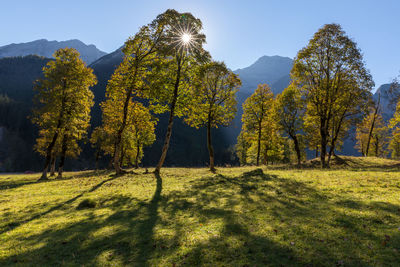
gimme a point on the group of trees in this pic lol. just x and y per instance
(330, 93)
(271, 128)
(165, 69)
(377, 137)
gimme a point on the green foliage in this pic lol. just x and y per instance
(213, 99)
(379, 135)
(128, 82)
(214, 96)
(63, 103)
(272, 143)
(260, 139)
(257, 107)
(241, 148)
(255, 110)
(138, 133)
(289, 109)
(171, 79)
(289, 113)
(394, 124)
(334, 82)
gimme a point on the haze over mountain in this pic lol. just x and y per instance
(45, 48)
(273, 70)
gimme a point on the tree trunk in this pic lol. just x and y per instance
(316, 151)
(118, 140)
(371, 129)
(48, 156)
(376, 146)
(259, 143)
(323, 144)
(121, 160)
(55, 136)
(170, 120)
(210, 147)
(62, 157)
(53, 165)
(332, 147)
(137, 155)
(297, 149)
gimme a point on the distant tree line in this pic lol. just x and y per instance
(165, 69)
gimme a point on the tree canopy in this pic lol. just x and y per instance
(255, 111)
(334, 81)
(213, 99)
(63, 103)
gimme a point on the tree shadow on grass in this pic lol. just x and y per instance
(254, 219)
(5, 185)
(13, 225)
(146, 228)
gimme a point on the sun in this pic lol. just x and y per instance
(186, 38)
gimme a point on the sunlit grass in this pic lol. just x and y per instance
(192, 217)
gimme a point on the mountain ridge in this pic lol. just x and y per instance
(43, 47)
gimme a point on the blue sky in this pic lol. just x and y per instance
(238, 32)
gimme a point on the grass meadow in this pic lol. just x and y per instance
(348, 215)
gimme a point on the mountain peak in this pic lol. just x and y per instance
(273, 70)
(46, 48)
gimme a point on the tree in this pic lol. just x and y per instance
(63, 103)
(255, 110)
(371, 124)
(311, 131)
(102, 142)
(143, 130)
(214, 101)
(181, 51)
(289, 113)
(394, 144)
(71, 148)
(378, 137)
(394, 124)
(138, 132)
(272, 143)
(242, 147)
(334, 82)
(129, 81)
(362, 133)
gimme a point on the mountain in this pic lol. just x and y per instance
(387, 108)
(273, 70)
(45, 48)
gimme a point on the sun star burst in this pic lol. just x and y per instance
(184, 38)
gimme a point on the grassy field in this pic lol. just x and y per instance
(274, 216)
